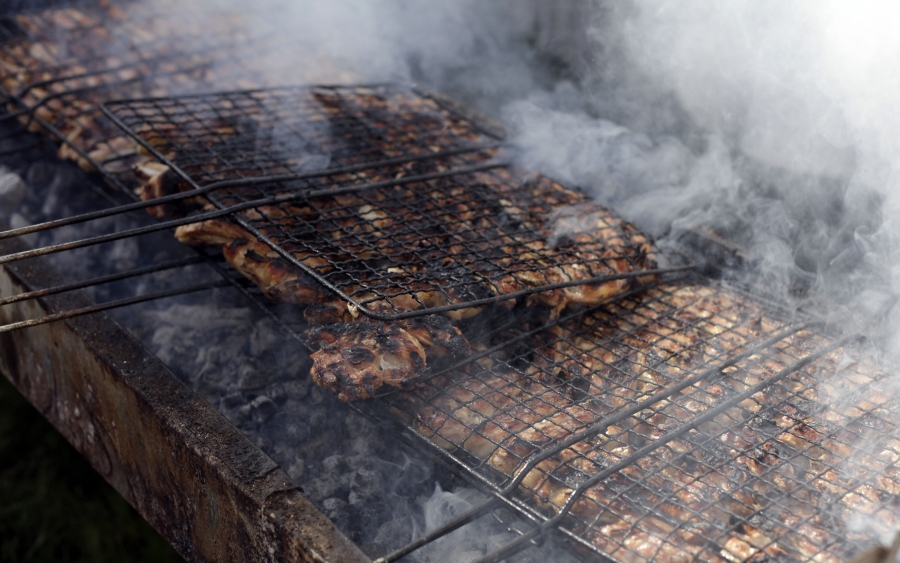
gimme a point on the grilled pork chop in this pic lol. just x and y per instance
(355, 359)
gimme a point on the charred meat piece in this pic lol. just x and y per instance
(355, 359)
(397, 352)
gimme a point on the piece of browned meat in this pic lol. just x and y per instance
(356, 359)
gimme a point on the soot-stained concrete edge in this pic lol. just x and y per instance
(196, 478)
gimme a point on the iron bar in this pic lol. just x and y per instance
(102, 279)
(118, 210)
(226, 212)
(113, 305)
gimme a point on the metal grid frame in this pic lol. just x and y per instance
(450, 228)
(644, 438)
(790, 385)
(60, 92)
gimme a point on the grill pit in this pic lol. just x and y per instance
(785, 388)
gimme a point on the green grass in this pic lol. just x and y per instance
(54, 507)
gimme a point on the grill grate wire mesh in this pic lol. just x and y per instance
(450, 228)
(777, 475)
(782, 473)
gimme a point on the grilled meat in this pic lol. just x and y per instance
(772, 464)
(280, 281)
(70, 60)
(158, 180)
(355, 359)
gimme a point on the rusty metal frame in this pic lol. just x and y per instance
(196, 478)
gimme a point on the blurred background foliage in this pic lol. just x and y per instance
(54, 507)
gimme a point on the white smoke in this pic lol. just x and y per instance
(803, 87)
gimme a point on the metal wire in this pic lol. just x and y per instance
(113, 305)
(557, 412)
(464, 242)
(101, 280)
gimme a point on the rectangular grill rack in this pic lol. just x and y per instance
(730, 445)
(382, 194)
(755, 438)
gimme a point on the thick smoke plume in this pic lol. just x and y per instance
(772, 123)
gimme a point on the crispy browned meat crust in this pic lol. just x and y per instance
(355, 359)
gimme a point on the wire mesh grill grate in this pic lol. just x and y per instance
(782, 474)
(250, 134)
(448, 228)
(67, 61)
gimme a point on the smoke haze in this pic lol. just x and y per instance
(771, 123)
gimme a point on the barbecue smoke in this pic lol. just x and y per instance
(769, 124)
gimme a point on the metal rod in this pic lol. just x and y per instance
(543, 454)
(468, 516)
(112, 305)
(84, 217)
(229, 211)
(519, 543)
(101, 280)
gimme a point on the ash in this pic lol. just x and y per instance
(380, 493)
